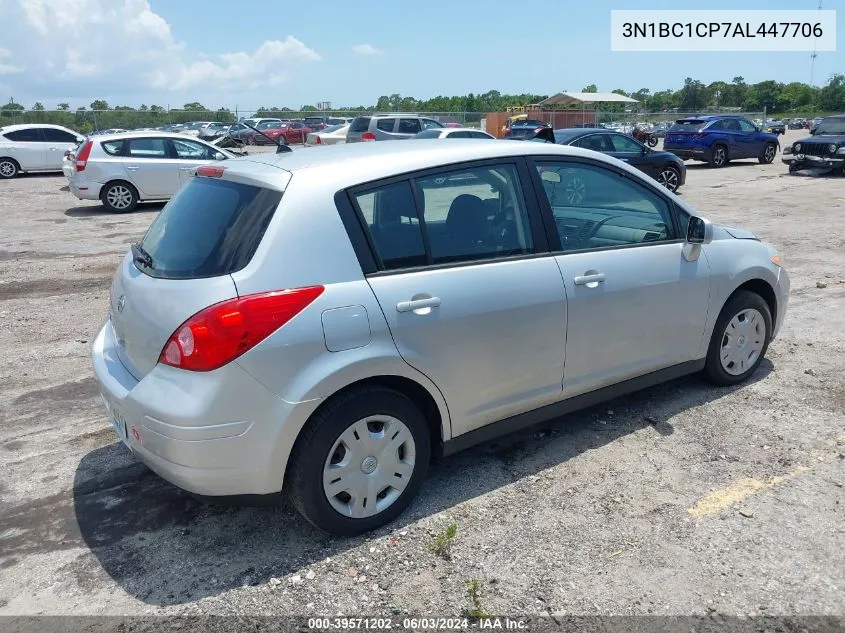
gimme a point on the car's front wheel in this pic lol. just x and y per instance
(8, 168)
(359, 461)
(740, 339)
(767, 156)
(119, 197)
(669, 177)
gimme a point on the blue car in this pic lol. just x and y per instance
(719, 139)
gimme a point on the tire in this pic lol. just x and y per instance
(9, 168)
(669, 177)
(652, 141)
(329, 442)
(718, 156)
(740, 339)
(119, 197)
(767, 156)
(793, 169)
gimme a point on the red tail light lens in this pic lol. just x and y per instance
(220, 333)
(317, 141)
(82, 157)
(368, 136)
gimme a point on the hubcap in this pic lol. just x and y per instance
(369, 466)
(7, 169)
(719, 157)
(575, 191)
(119, 197)
(742, 342)
(669, 179)
(770, 154)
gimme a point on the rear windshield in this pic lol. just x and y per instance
(309, 120)
(687, 125)
(361, 124)
(209, 228)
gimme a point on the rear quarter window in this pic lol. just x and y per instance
(113, 148)
(209, 228)
(361, 124)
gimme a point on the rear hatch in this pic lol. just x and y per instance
(684, 131)
(209, 229)
(360, 125)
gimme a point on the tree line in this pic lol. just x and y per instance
(774, 97)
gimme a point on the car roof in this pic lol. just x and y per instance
(25, 126)
(457, 129)
(149, 133)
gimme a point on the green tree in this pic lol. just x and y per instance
(383, 103)
(832, 96)
(11, 109)
(194, 106)
(38, 107)
(590, 88)
(99, 104)
(64, 107)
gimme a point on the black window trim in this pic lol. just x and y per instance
(366, 250)
(556, 247)
(39, 131)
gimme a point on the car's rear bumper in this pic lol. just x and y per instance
(804, 161)
(211, 433)
(85, 190)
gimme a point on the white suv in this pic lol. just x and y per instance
(34, 147)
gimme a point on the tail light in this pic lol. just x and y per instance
(220, 333)
(211, 171)
(368, 136)
(317, 141)
(82, 157)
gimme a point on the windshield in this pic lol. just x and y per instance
(332, 128)
(831, 126)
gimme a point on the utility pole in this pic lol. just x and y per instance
(814, 54)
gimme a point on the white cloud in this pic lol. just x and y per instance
(366, 49)
(106, 47)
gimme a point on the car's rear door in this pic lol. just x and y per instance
(408, 127)
(28, 148)
(472, 298)
(57, 143)
(632, 152)
(152, 166)
(635, 304)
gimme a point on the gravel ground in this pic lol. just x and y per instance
(682, 499)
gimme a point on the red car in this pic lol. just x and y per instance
(291, 132)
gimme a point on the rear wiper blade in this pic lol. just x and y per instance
(140, 256)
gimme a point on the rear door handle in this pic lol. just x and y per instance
(417, 304)
(133, 167)
(595, 278)
(187, 169)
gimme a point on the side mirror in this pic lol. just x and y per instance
(699, 231)
(219, 156)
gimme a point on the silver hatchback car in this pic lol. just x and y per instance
(327, 322)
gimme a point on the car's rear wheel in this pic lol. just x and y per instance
(359, 461)
(119, 197)
(9, 168)
(718, 156)
(767, 156)
(740, 339)
(669, 177)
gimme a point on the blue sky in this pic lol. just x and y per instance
(255, 52)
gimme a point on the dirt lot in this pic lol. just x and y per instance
(682, 499)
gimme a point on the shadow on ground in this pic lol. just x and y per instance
(100, 211)
(164, 547)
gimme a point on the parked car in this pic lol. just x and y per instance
(717, 140)
(660, 129)
(591, 125)
(796, 124)
(34, 147)
(775, 127)
(388, 127)
(211, 131)
(289, 132)
(454, 132)
(331, 135)
(123, 169)
(241, 132)
(666, 168)
(316, 123)
(526, 130)
(814, 123)
(824, 148)
(323, 323)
